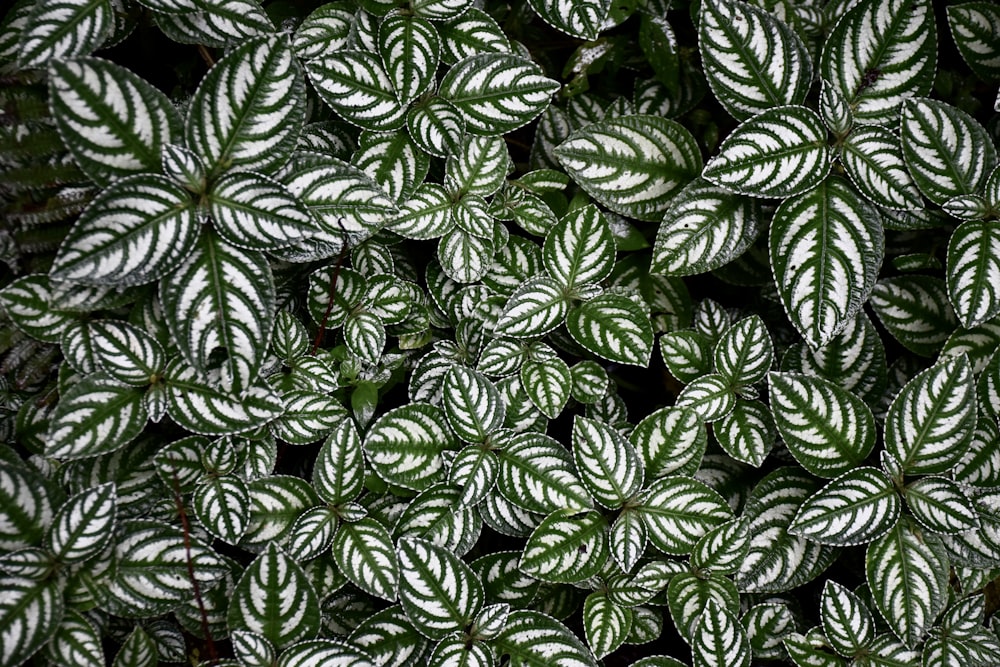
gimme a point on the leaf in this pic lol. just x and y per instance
(64, 29)
(632, 164)
(221, 297)
(338, 472)
(472, 404)
(908, 578)
(97, 415)
(323, 652)
(747, 433)
(209, 411)
(744, 353)
(847, 622)
(778, 153)
(752, 60)
(75, 642)
(215, 24)
(126, 353)
(537, 474)
(583, 20)
(704, 227)
(579, 249)
(222, 505)
(84, 525)
(438, 10)
(474, 470)
(670, 440)
(828, 430)
(366, 555)
(439, 593)
(464, 257)
(308, 417)
(436, 126)
(275, 599)
(410, 49)
(940, 505)
(135, 231)
(404, 445)
(30, 612)
(826, 247)
(719, 639)
(975, 27)
(608, 464)
(537, 307)
(113, 122)
(496, 92)
(605, 624)
(252, 211)
(678, 511)
(974, 272)
(879, 54)
(566, 547)
(355, 85)
(931, 420)
(248, 110)
(614, 328)
(916, 311)
(722, 549)
(389, 638)
(533, 639)
(872, 156)
(365, 336)
(767, 624)
(393, 161)
(688, 595)
(138, 650)
(711, 396)
(948, 152)
(471, 33)
(548, 384)
(855, 508)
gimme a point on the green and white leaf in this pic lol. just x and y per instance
(439, 593)
(579, 249)
(472, 404)
(872, 156)
(84, 526)
(719, 639)
(613, 327)
(566, 547)
(752, 60)
(410, 49)
(632, 164)
(64, 29)
(479, 166)
(711, 396)
(608, 464)
(389, 638)
(312, 533)
(404, 446)
(827, 429)
(537, 473)
(138, 650)
(605, 624)
(338, 472)
(135, 231)
(533, 638)
(328, 28)
(973, 270)
(465, 257)
(209, 411)
(748, 433)
(679, 510)
(975, 28)
(309, 416)
(30, 612)
(365, 553)
(126, 353)
(722, 549)
(687, 354)
(940, 505)
(583, 20)
(276, 501)
(847, 622)
(778, 153)
(113, 122)
(879, 54)
(826, 248)
(253, 211)
(744, 353)
(222, 505)
(688, 595)
(365, 336)
(75, 642)
(915, 309)
(97, 415)
(436, 126)
(536, 308)
(548, 383)
(275, 599)
(670, 440)
(855, 508)
(471, 33)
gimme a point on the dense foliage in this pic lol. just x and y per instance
(472, 333)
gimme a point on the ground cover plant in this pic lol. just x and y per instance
(454, 332)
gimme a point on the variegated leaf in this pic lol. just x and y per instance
(748, 433)
(975, 27)
(137, 650)
(75, 642)
(410, 48)
(210, 411)
(222, 505)
(338, 472)
(632, 164)
(613, 327)
(537, 307)
(97, 415)
(916, 311)
(847, 622)
(312, 533)
(324, 652)
(583, 20)
(64, 29)
(465, 257)
(974, 271)
(778, 153)
(566, 547)
(711, 396)
(718, 639)
(940, 505)
(252, 211)
(309, 416)
(605, 624)
(30, 612)
(880, 53)
(389, 638)
(126, 353)
(436, 126)
(579, 249)
(472, 404)
(547, 383)
(688, 595)
(367, 556)
(537, 474)
(439, 593)
(326, 29)
(670, 440)
(83, 527)
(627, 539)
(404, 445)
(722, 549)
(752, 60)
(855, 508)
(678, 510)
(873, 159)
(744, 353)
(532, 638)
(440, 10)
(393, 161)
(608, 464)
(474, 470)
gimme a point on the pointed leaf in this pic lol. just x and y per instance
(974, 272)
(747, 433)
(533, 639)
(366, 555)
(222, 505)
(410, 48)
(614, 328)
(608, 464)
(940, 505)
(64, 29)
(252, 211)
(84, 525)
(338, 472)
(30, 612)
(975, 27)
(873, 158)
(847, 622)
(679, 510)
(439, 593)
(855, 508)
(719, 639)
(537, 307)
(916, 311)
(404, 445)
(547, 383)
(566, 547)
(472, 404)
(97, 415)
(126, 353)
(671, 439)
(605, 624)
(580, 248)
(537, 473)
(209, 411)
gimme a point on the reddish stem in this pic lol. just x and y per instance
(209, 643)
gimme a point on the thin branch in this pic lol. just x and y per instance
(209, 643)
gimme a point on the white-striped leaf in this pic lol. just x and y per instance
(974, 271)
(97, 415)
(275, 599)
(613, 327)
(744, 353)
(855, 508)
(873, 159)
(457, 650)
(834, 108)
(324, 652)
(583, 20)
(222, 505)
(75, 642)
(30, 612)
(847, 622)
(826, 249)
(471, 215)
(632, 164)
(436, 126)
(778, 153)
(151, 575)
(249, 108)
(705, 227)
(393, 161)
(722, 549)
(537, 474)
(532, 638)
(426, 215)
(389, 638)
(605, 624)
(767, 624)
(221, 297)
(83, 527)
(718, 639)
(439, 593)
(253, 211)
(579, 248)
(365, 336)
(472, 404)
(980, 464)
(410, 49)
(916, 311)
(439, 10)
(975, 27)
(134, 232)
(678, 510)
(126, 353)
(940, 505)
(309, 416)
(752, 60)
(29, 304)
(436, 516)
(827, 429)
(183, 166)
(608, 464)
(670, 440)
(908, 577)
(464, 257)
(276, 501)
(113, 122)
(881, 53)
(711, 396)
(311, 534)
(931, 420)
(64, 29)
(948, 152)
(497, 92)
(537, 307)
(138, 650)
(589, 381)
(547, 383)
(339, 470)
(627, 539)
(334, 294)
(687, 354)
(566, 547)
(474, 470)
(404, 445)
(747, 433)
(812, 649)
(216, 23)
(210, 411)
(365, 553)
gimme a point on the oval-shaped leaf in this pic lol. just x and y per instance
(855, 508)
(366, 555)
(679, 510)
(973, 269)
(608, 464)
(97, 415)
(613, 327)
(404, 445)
(566, 547)
(439, 593)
